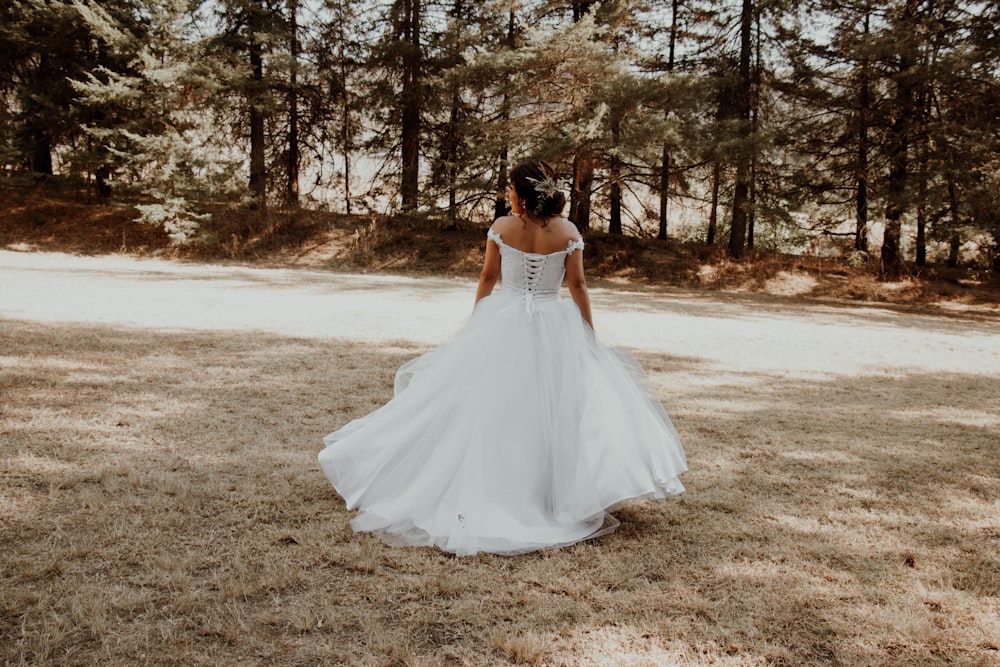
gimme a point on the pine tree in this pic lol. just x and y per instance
(583, 162)
(687, 43)
(47, 44)
(665, 166)
(904, 24)
(408, 19)
(509, 42)
(474, 131)
(336, 95)
(292, 102)
(461, 153)
(835, 115)
(397, 65)
(153, 131)
(951, 137)
(863, 115)
(722, 136)
(547, 101)
(741, 204)
(242, 60)
(631, 98)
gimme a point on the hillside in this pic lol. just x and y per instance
(36, 220)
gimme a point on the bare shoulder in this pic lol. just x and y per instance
(565, 228)
(505, 223)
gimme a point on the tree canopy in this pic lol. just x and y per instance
(831, 124)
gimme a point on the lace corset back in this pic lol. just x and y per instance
(531, 273)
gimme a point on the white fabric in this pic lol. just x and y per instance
(521, 433)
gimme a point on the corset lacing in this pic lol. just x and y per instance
(533, 276)
(533, 272)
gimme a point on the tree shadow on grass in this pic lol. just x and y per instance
(160, 496)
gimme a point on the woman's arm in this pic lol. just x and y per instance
(577, 284)
(491, 271)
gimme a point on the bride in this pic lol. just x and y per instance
(524, 431)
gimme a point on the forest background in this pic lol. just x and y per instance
(838, 127)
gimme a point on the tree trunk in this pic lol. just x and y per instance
(452, 153)
(922, 203)
(101, 174)
(713, 212)
(615, 222)
(453, 139)
(583, 180)
(410, 131)
(929, 65)
(41, 152)
(738, 228)
(898, 146)
(345, 124)
(754, 106)
(861, 183)
(661, 233)
(665, 165)
(922, 226)
(615, 178)
(583, 166)
(751, 201)
(345, 136)
(41, 134)
(580, 8)
(741, 204)
(955, 241)
(292, 166)
(258, 168)
(954, 246)
(502, 208)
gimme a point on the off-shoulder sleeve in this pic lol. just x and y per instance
(493, 236)
(575, 244)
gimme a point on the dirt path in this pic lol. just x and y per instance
(730, 334)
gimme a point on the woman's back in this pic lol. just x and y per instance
(533, 238)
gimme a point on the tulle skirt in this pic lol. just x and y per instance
(521, 433)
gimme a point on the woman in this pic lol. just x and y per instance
(524, 431)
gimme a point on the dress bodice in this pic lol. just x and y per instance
(533, 274)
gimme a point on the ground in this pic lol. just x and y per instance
(160, 500)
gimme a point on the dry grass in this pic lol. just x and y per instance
(161, 504)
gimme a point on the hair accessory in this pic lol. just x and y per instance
(545, 187)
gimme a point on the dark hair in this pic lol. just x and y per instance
(536, 182)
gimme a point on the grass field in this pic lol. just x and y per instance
(161, 503)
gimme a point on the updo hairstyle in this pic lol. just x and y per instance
(536, 183)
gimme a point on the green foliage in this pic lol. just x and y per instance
(149, 127)
(174, 215)
(169, 101)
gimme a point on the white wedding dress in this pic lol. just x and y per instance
(521, 433)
